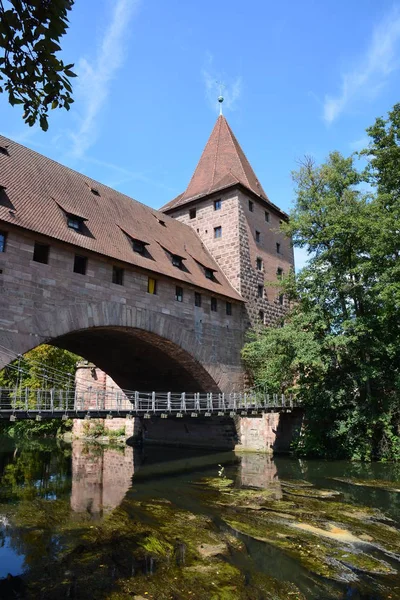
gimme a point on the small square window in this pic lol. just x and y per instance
(229, 308)
(177, 261)
(278, 248)
(179, 294)
(118, 276)
(151, 285)
(214, 304)
(209, 273)
(217, 204)
(260, 291)
(258, 237)
(80, 264)
(197, 299)
(259, 264)
(266, 215)
(281, 299)
(218, 232)
(3, 237)
(41, 253)
(251, 206)
(192, 213)
(279, 272)
(261, 316)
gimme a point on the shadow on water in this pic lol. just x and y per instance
(83, 520)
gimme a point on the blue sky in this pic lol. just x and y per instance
(300, 78)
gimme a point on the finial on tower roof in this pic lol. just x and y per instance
(220, 97)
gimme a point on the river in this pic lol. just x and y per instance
(87, 521)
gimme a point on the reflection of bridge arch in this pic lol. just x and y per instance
(139, 348)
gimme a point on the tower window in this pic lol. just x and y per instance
(197, 299)
(217, 204)
(258, 237)
(260, 291)
(259, 264)
(3, 237)
(214, 304)
(281, 298)
(41, 253)
(279, 272)
(80, 264)
(209, 273)
(118, 276)
(251, 206)
(179, 294)
(266, 215)
(192, 213)
(278, 248)
(177, 261)
(151, 285)
(261, 316)
(229, 308)
(218, 231)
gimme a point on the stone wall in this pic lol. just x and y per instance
(270, 433)
(128, 333)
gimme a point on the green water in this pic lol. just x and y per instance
(84, 521)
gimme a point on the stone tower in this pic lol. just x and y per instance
(228, 208)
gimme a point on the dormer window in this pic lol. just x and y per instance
(75, 222)
(177, 261)
(94, 191)
(209, 273)
(138, 246)
(3, 150)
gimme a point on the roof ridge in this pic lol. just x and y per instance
(233, 140)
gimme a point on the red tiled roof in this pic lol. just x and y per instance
(42, 191)
(222, 164)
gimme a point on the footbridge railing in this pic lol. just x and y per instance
(52, 403)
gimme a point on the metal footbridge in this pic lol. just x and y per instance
(28, 403)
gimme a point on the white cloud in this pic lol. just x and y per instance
(93, 84)
(232, 88)
(373, 69)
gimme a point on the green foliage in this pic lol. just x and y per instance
(339, 349)
(36, 364)
(33, 368)
(30, 32)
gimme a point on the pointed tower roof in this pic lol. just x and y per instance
(222, 164)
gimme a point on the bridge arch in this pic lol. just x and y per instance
(139, 348)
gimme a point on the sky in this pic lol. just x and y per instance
(299, 78)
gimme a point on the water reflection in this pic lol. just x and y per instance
(83, 513)
(100, 477)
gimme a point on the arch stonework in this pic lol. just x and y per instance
(51, 304)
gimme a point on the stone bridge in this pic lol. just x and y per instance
(142, 340)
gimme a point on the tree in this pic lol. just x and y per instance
(30, 31)
(339, 349)
(43, 367)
